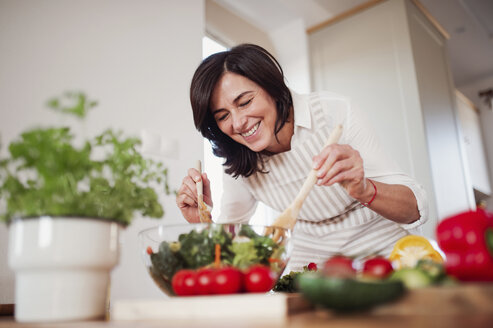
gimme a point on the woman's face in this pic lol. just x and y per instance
(245, 112)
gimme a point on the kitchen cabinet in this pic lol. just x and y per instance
(470, 127)
(391, 60)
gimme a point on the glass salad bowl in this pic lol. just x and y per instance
(209, 258)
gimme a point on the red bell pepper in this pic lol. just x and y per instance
(467, 241)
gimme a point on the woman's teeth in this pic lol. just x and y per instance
(251, 131)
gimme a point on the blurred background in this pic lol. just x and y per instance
(421, 70)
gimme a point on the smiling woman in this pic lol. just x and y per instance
(271, 138)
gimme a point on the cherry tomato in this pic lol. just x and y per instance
(312, 266)
(377, 267)
(339, 266)
(227, 280)
(259, 279)
(205, 278)
(149, 250)
(184, 282)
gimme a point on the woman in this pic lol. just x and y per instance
(271, 138)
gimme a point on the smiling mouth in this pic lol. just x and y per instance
(251, 131)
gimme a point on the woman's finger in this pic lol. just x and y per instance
(184, 200)
(326, 173)
(194, 174)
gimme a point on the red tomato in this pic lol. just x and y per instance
(227, 280)
(312, 266)
(184, 282)
(339, 266)
(149, 250)
(205, 278)
(259, 279)
(377, 267)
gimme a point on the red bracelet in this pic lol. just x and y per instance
(374, 195)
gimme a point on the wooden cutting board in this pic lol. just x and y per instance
(467, 299)
(260, 306)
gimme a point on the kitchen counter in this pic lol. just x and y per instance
(316, 318)
(465, 305)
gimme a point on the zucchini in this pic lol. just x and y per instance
(342, 294)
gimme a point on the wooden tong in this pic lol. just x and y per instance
(204, 213)
(287, 219)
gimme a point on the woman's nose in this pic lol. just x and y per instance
(239, 122)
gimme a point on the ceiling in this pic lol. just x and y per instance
(468, 22)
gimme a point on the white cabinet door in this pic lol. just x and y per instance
(473, 143)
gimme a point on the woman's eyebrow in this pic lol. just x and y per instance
(235, 101)
(241, 95)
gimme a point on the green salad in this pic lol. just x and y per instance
(197, 249)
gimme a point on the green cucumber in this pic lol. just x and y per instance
(348, 294)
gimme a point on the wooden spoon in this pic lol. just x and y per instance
(287, 219)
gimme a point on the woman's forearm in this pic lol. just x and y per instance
(393, 201)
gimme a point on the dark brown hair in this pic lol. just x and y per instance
(256, 64)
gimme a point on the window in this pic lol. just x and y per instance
(213, 164)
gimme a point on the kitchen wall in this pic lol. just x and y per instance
(471, 90)
(231, 29)
(136, 59)
(288, 43)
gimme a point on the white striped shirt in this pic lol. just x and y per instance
(330, 221)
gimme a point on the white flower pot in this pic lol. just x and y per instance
(62, 267)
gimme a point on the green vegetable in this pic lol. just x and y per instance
(434, 270)
(197, 249)
(166, 261)
(287, 283)
(347, 294)
(264, 245)
(412, 278)
(245, 254)
(47, 174)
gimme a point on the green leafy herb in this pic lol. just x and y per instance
(289, 282)
(46, 174)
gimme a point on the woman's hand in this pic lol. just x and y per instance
(186, 199)
(343, 164)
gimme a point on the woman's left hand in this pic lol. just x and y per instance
(342, 164)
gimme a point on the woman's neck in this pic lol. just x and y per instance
(284, 136)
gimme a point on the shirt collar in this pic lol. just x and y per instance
(302, 116)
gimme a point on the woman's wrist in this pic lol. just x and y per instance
(369, 194)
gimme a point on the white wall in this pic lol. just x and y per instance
(291, 44)
(471, 90)
(136, 58)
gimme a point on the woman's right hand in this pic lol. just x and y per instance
(186, 199)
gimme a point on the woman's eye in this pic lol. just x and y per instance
(246, 102)
(222, 117)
